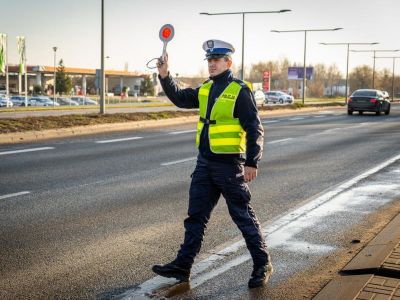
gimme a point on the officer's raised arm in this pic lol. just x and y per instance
(184, 98)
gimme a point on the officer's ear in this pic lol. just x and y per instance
(229, 61)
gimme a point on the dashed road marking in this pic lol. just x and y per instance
(26, 150)
(295, 119)
(179, 161)
(119, 140)
(280, 141)
(14, 195)
(272, 121)
(181, 132)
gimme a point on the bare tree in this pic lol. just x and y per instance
(361, 78)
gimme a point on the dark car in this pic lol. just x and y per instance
(368, 100)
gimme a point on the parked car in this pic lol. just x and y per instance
(259, 97)
(84, 101)
(368, 100)
(42, 101)
(18, 100)
(67, 101)
(278, 96)
(5, 101)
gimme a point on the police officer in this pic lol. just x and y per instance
(230, 141)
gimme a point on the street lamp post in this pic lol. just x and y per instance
(243, 13)
(373, 68)
(305, 50)
(7, 73)
(394, 63)
(54, 87)
(102, 73)
(106, 79)
(347, 63)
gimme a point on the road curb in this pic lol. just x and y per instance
(374, 271)
(31, 136)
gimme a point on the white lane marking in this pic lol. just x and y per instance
(26, 150)
(328, 112)
(119, 140)
(272, 121)
(295, 119)
(179, 161)
(180, 132)
(332, 130)
(14, 195)
(343, 129)
(280, 141)
(279, 233)
(319, 116)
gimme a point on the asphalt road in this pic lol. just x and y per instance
(87, 217)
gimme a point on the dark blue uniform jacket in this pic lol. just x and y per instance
(245, 110)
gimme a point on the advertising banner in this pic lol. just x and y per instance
(21, 53)
(3, 45)
(296, 73)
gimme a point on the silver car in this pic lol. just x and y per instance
(42, 101)
(278, 97)
(67, 101)
(5, 102)
(84, 101)
(18, 100)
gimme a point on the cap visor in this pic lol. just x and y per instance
(215, 56)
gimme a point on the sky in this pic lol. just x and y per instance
(132, 27)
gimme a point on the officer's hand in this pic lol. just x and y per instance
(162, 66)
(250, 173)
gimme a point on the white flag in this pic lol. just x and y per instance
(21, 52)
(3, 45)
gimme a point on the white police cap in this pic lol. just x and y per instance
(217, 49)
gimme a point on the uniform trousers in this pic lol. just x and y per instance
(210, 179)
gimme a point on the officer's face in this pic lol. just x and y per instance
(218, 65)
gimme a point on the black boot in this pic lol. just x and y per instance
(173, 270)
(260, 275)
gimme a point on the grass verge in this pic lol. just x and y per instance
(56, 122)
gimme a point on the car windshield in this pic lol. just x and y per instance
(364, 93)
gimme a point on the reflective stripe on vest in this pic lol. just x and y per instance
(225, 133)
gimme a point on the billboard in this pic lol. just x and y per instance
(296, 73)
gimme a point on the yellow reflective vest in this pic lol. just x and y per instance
(225, 133)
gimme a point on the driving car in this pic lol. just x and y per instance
(84, 101)
(386, 95)
(368, 100)
(278, 96)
